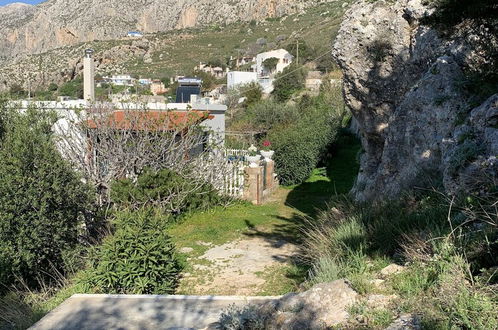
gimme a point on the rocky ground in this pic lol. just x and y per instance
(325, 305)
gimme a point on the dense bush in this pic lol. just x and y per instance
(165, 189)
(252, 93)
(270, 64)
(73, 88)
(139, 258)
(268, 114)
(306, 53)
(300, 145)
(42, 201)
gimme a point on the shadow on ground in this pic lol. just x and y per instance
(335, 178)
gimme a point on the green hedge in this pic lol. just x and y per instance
(298, 147)
(267, 114)
(138, 259)
(42, 201)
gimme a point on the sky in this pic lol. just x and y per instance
(6, 2)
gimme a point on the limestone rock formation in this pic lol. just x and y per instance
(57, 23)
(401, 82)
(322, 306)
(61, 65)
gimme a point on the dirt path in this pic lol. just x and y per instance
(254, 264)
(238, 268)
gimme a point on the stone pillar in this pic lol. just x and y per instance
(88, 76)
(270, 170)
(253, 190)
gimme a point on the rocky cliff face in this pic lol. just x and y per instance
(56, 23)
(402, 83)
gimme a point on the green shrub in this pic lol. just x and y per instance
(73, 88)
(268, 114)
(164, 189)
(298, 147)
(306, 53)
(270, 63)
(52, 87)
(252, 92)
(288, 82)
(139, 258)
(42, 201)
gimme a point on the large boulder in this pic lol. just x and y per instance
(402, 84)
(322, 306)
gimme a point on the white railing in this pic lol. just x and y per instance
(235, 152)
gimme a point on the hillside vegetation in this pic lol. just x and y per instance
(165, 54)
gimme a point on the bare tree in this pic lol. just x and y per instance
(105, 144)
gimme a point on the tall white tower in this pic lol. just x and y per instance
(89, 76)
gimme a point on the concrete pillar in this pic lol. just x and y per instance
(253, 190)
(89, 76)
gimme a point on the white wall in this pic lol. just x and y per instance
(67, 112)
(238, 78)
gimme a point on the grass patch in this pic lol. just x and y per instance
(20, 310)
(356, 241)
(224, 224)
(281, 280)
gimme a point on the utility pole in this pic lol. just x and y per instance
(297, 51)
(29, 86)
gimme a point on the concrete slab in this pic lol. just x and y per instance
(140, 312)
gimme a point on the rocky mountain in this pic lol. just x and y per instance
(57, 23)
(403, 81)
(165, 54)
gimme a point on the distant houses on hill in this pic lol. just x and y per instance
(263, 70)
(134, 34)
(217, 72)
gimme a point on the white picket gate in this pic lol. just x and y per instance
(226, 171)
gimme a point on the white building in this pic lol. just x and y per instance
(120, 80)
(284, 60)
(134, 34)
(239, 78)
